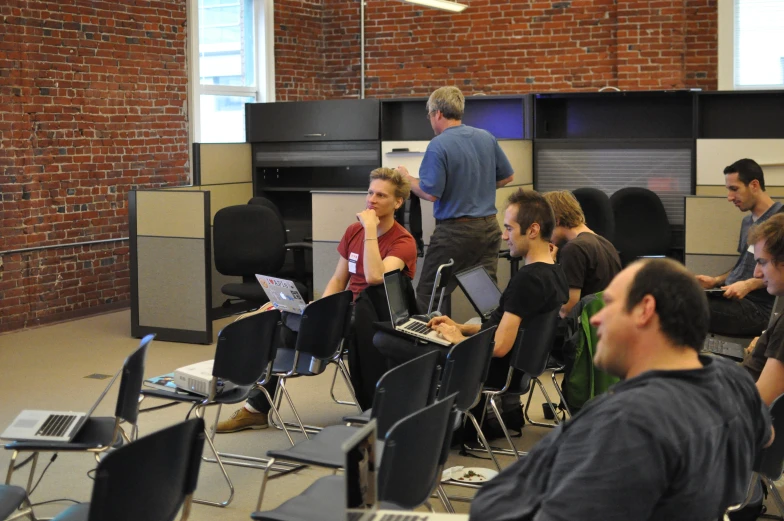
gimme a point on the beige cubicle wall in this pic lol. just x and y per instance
(713, 155)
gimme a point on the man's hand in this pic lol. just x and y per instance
(450, 332)
(738, 290)
(752, 344)
(367, 218)
(706, 281)
(403, 171)
(441, 320)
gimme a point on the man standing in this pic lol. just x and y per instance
(589, 260)
(460, 172)
(745, 307)
(676, 440)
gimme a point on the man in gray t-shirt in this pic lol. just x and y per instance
(743, 309)
(674, 441)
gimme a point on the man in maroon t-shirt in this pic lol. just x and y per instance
(369, 248)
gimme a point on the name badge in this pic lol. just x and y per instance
(353, 257)
(352, 267)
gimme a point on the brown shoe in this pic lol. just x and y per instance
(243, 419)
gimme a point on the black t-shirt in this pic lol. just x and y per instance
(590, 262)
(535, 288)
(769, 345)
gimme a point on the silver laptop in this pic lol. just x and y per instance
(398, 311)
(60, 426)
(283, 294)
(480, 290)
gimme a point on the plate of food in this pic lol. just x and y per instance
(469, 474)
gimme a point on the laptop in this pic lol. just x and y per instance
(480, 290)
(283, 294)
(362, 485)
(58, 426)
(723, 346)
(398, 311)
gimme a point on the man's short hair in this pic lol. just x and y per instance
(748, 170)
(532, 207)
(772, 232)
(449, 100)
(401, 182)
(566, 209)
(680, 301)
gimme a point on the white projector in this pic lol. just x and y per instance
(195, 378)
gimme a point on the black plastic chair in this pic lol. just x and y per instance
(149, 479)
(408, 473)
(597, 210)
(98, 434)
(13, 502)
(400, 392)
(641, 224)
(243, 360)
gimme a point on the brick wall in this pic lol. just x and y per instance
(514, 46)
(299, 50)
(92, 104)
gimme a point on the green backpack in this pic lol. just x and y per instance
(582, 381)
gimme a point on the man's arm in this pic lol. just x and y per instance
(504, 182)
(415, 185)
(740, 289)
(771, 382)
(506, 333)
(574, 298)
(708, 282)
(339, 279)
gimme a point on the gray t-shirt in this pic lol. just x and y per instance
(663, 446)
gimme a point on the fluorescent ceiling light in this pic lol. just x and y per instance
(446, 5)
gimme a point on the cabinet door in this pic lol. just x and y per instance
(329, 120)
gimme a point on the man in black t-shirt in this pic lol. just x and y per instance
(589, 260)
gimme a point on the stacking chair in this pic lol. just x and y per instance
(13, 503)
(415, 450)
(149, 479)
(243, 361)
(401, 391)
(529, 356)
(98, 434)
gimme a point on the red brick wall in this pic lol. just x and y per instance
(92, 103)
(299, 50)
(514, 46)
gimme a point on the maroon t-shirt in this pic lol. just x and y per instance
(396, 242)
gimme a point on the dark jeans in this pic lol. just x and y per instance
(737, 317)
(288, 339)
(469, 243)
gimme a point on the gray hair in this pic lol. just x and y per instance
(449, 101)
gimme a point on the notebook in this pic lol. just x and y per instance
(60, 426)
(480, 290)
(398, 311)
(283, 294)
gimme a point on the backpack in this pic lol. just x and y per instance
(582, 381)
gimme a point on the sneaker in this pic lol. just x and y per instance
(243, 419)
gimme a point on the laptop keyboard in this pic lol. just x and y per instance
(56, 425)
(417, 327)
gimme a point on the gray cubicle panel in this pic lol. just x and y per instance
(170, 247)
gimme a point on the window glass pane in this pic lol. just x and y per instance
(226, 43)
(222, 118)
(759, 43)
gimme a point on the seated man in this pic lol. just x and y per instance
(369, 248)
(537, 287)
(589, 260)
(765, 362)
(667, 442)
(746, 306)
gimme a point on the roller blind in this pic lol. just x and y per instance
(759, 44)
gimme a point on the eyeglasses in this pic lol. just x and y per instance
(427, 115)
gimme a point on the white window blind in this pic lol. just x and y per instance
(759, 44)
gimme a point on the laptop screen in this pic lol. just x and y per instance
(360, 475)
(480, 289)
(398, 309)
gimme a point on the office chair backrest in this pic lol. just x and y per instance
(534, 342)
(248, 239)
(598, 211)
(771, 460)
(263, 201)
(323, 325)
(466, 368)
(245, 348)
(411, 462)
(150, 478)
(131, 379)
(404, 390)
(641, 224)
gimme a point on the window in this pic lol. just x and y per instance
(757, 45)
(231, 64)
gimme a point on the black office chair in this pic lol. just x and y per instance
(149, 479)
(98, 434)
(641, 224)
(598, 211)
(13, 502)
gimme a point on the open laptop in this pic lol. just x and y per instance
(362, 485)
(59, 426)
(283, 294)
(398, 311)
(724, 346)
(480, 290)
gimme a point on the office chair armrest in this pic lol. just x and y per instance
(299, 245)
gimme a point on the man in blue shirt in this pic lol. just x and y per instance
(460, 172)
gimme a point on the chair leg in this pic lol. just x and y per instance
(773, 491)
(282, 385)
(347, 379)
(442, 495)
(200, 414)
(264, 484)
(503, 427)
(560, 394)
(483, 440)
(534, 382)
